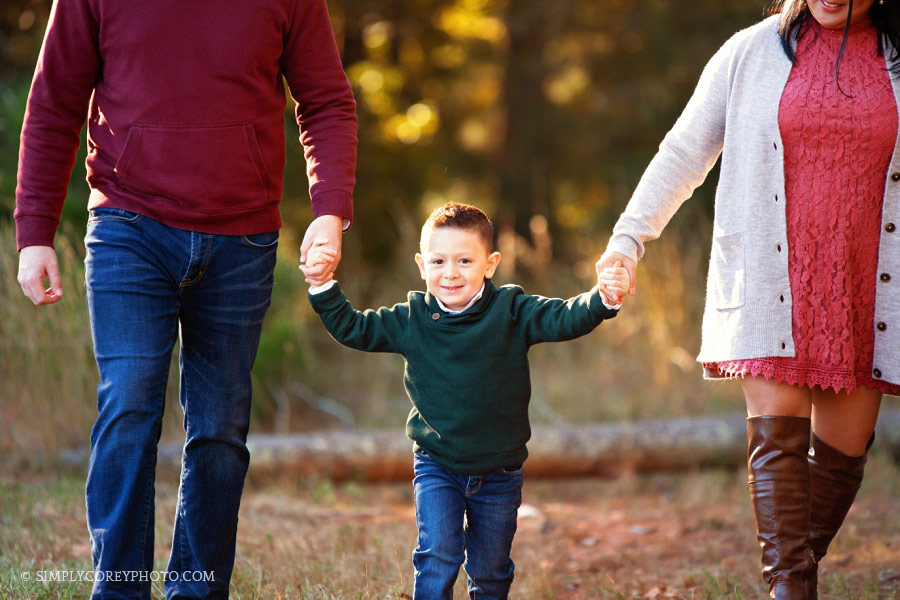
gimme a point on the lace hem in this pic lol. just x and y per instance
(800, 374)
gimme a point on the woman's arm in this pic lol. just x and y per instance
(685, 157)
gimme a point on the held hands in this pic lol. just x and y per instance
(614, 282)
(615, 260)
(320, 251)
(35, 264)
(319, 257)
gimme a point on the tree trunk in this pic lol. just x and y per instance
(602, 449)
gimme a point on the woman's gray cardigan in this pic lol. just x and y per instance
(734, 111)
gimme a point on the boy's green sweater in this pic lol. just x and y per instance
(466, 374)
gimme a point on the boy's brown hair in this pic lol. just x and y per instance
(461, 216)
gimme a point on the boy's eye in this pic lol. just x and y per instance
(436, 261)
(465, 261)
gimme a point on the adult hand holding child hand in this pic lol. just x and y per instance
(319, 258)
(320, 251)
(613, 283)
(613, 261)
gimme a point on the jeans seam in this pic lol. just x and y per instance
(182, 513)
(145, 520)
(204, 263)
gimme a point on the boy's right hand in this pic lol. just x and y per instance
(318, 254)
(614, 283)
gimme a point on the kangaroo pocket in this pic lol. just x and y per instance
(208, 169)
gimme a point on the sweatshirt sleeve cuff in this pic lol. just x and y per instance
(626, 245)
(336, 203)
(35, 230)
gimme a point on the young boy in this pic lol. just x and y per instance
(465, 342)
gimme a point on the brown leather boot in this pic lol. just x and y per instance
(834, 479)
(779, 491)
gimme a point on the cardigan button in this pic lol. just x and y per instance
(890, 228)
(885, 277)
(781, 297)
(783, 346)
(435, 316)
(895, 176)
(778, 247)
(876, 373)
(881, 326)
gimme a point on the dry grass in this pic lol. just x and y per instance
(663, 536)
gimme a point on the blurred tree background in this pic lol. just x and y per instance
(542, 113)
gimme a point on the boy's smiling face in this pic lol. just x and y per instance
(454, 263)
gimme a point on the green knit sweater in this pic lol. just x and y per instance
(466, 374)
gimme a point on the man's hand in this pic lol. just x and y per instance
(608, 260)
(35, 264)
(326, 232)
(317, 255)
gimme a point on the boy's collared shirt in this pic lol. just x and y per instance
(468, 305)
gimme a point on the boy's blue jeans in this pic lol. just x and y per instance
(148, 283)
(462, 518)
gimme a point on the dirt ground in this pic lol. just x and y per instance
(687, 535)
(659, 536)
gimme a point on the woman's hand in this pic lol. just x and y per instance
(608, 261)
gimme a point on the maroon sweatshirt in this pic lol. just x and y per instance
(185, 103)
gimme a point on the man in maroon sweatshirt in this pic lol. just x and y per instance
(186, 154)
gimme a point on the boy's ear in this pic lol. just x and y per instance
(421, 262)
(492, 261)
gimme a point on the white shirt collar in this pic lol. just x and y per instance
(466, 307)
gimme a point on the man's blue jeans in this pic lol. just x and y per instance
(462, 518)
(148, 283)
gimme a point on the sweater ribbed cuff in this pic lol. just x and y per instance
(35, 230)
(336, 203)
(624, 245)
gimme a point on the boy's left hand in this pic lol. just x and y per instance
(613, 283)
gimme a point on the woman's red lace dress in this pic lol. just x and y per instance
(837, 148)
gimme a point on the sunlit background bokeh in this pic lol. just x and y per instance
(542, 113)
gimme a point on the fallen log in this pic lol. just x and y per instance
(597, 449)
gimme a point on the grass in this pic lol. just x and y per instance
(686, 535)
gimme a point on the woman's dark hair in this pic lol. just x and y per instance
(885, 17)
